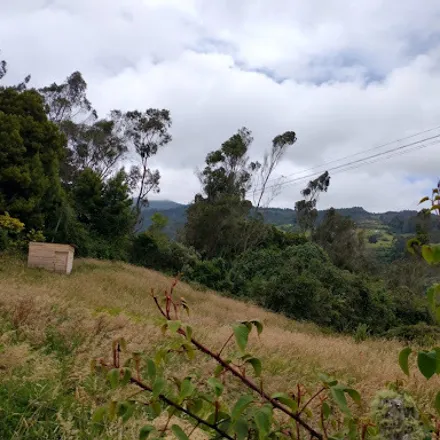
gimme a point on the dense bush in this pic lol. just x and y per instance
(301, 282)
(156, 251)
(210, 273)
(422, 333)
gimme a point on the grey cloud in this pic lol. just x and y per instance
(345, 78)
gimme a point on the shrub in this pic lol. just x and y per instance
(421, 333)
(361, 334)
(156, 251)
(211, 273)
(396, 416)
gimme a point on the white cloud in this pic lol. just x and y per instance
(354, 77)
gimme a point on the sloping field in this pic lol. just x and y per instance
(52, 325)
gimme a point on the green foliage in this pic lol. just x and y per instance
(339, 237)
(31, 149)
(104, 216)
(421, 334)
(156, 251)
(397, 417)
(361, 333)
(306, 212)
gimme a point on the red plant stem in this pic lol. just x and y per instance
(165, 399)
(250, 384)
(311, 399)
(323, 424)
(225, 344)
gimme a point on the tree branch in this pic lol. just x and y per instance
(250, 384)
(168, 401)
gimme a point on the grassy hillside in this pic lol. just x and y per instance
(51, 326)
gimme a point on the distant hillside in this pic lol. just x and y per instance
(403, 222)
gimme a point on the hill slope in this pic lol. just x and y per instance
(52, 326)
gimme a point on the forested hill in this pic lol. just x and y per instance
(401, 222)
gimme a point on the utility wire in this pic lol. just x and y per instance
(324, 164)
(401, 149)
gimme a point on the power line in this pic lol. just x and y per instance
(324, 164)
(360, 162)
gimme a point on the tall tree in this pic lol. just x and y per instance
(270, 162)
(146, 132)
(216, 219)
(306, 212)
(339, 236)
(3, 68)
(228, 171)
(31, 148)
(68, 101)
(100, 146)
(104, 207)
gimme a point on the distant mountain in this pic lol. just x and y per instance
(403, 222)
(162, 205)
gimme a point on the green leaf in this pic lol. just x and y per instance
(241, 332)
(189, 349)
(437, 351)
(195, 406)
(437, 313)
(174, 326)
(158, 387)
(112, 409)
(327, 380)
(179, 433)
(99, 414)
(427, 363)
(262, 420)
(216, 385)
(189, 332)
(125, 410)
(242, 403)
(126, 376)
(258, 325)
(354, 395)
(435, 208)
(151, 370)
(326, 410)
(219, 370)
(428, 253)
(241, 428)
(411, 244)
(431, 294)
(437, 402)
(425, 199)
(113, 377)
(286, 400)
(186, 389)
(146, 431)
(338, 395)
(256, 364)
(156, 408)
(403, 359)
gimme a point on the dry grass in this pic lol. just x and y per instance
(103, 300)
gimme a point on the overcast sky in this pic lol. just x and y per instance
(346, 76)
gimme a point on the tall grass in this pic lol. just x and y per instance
(51, 326)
